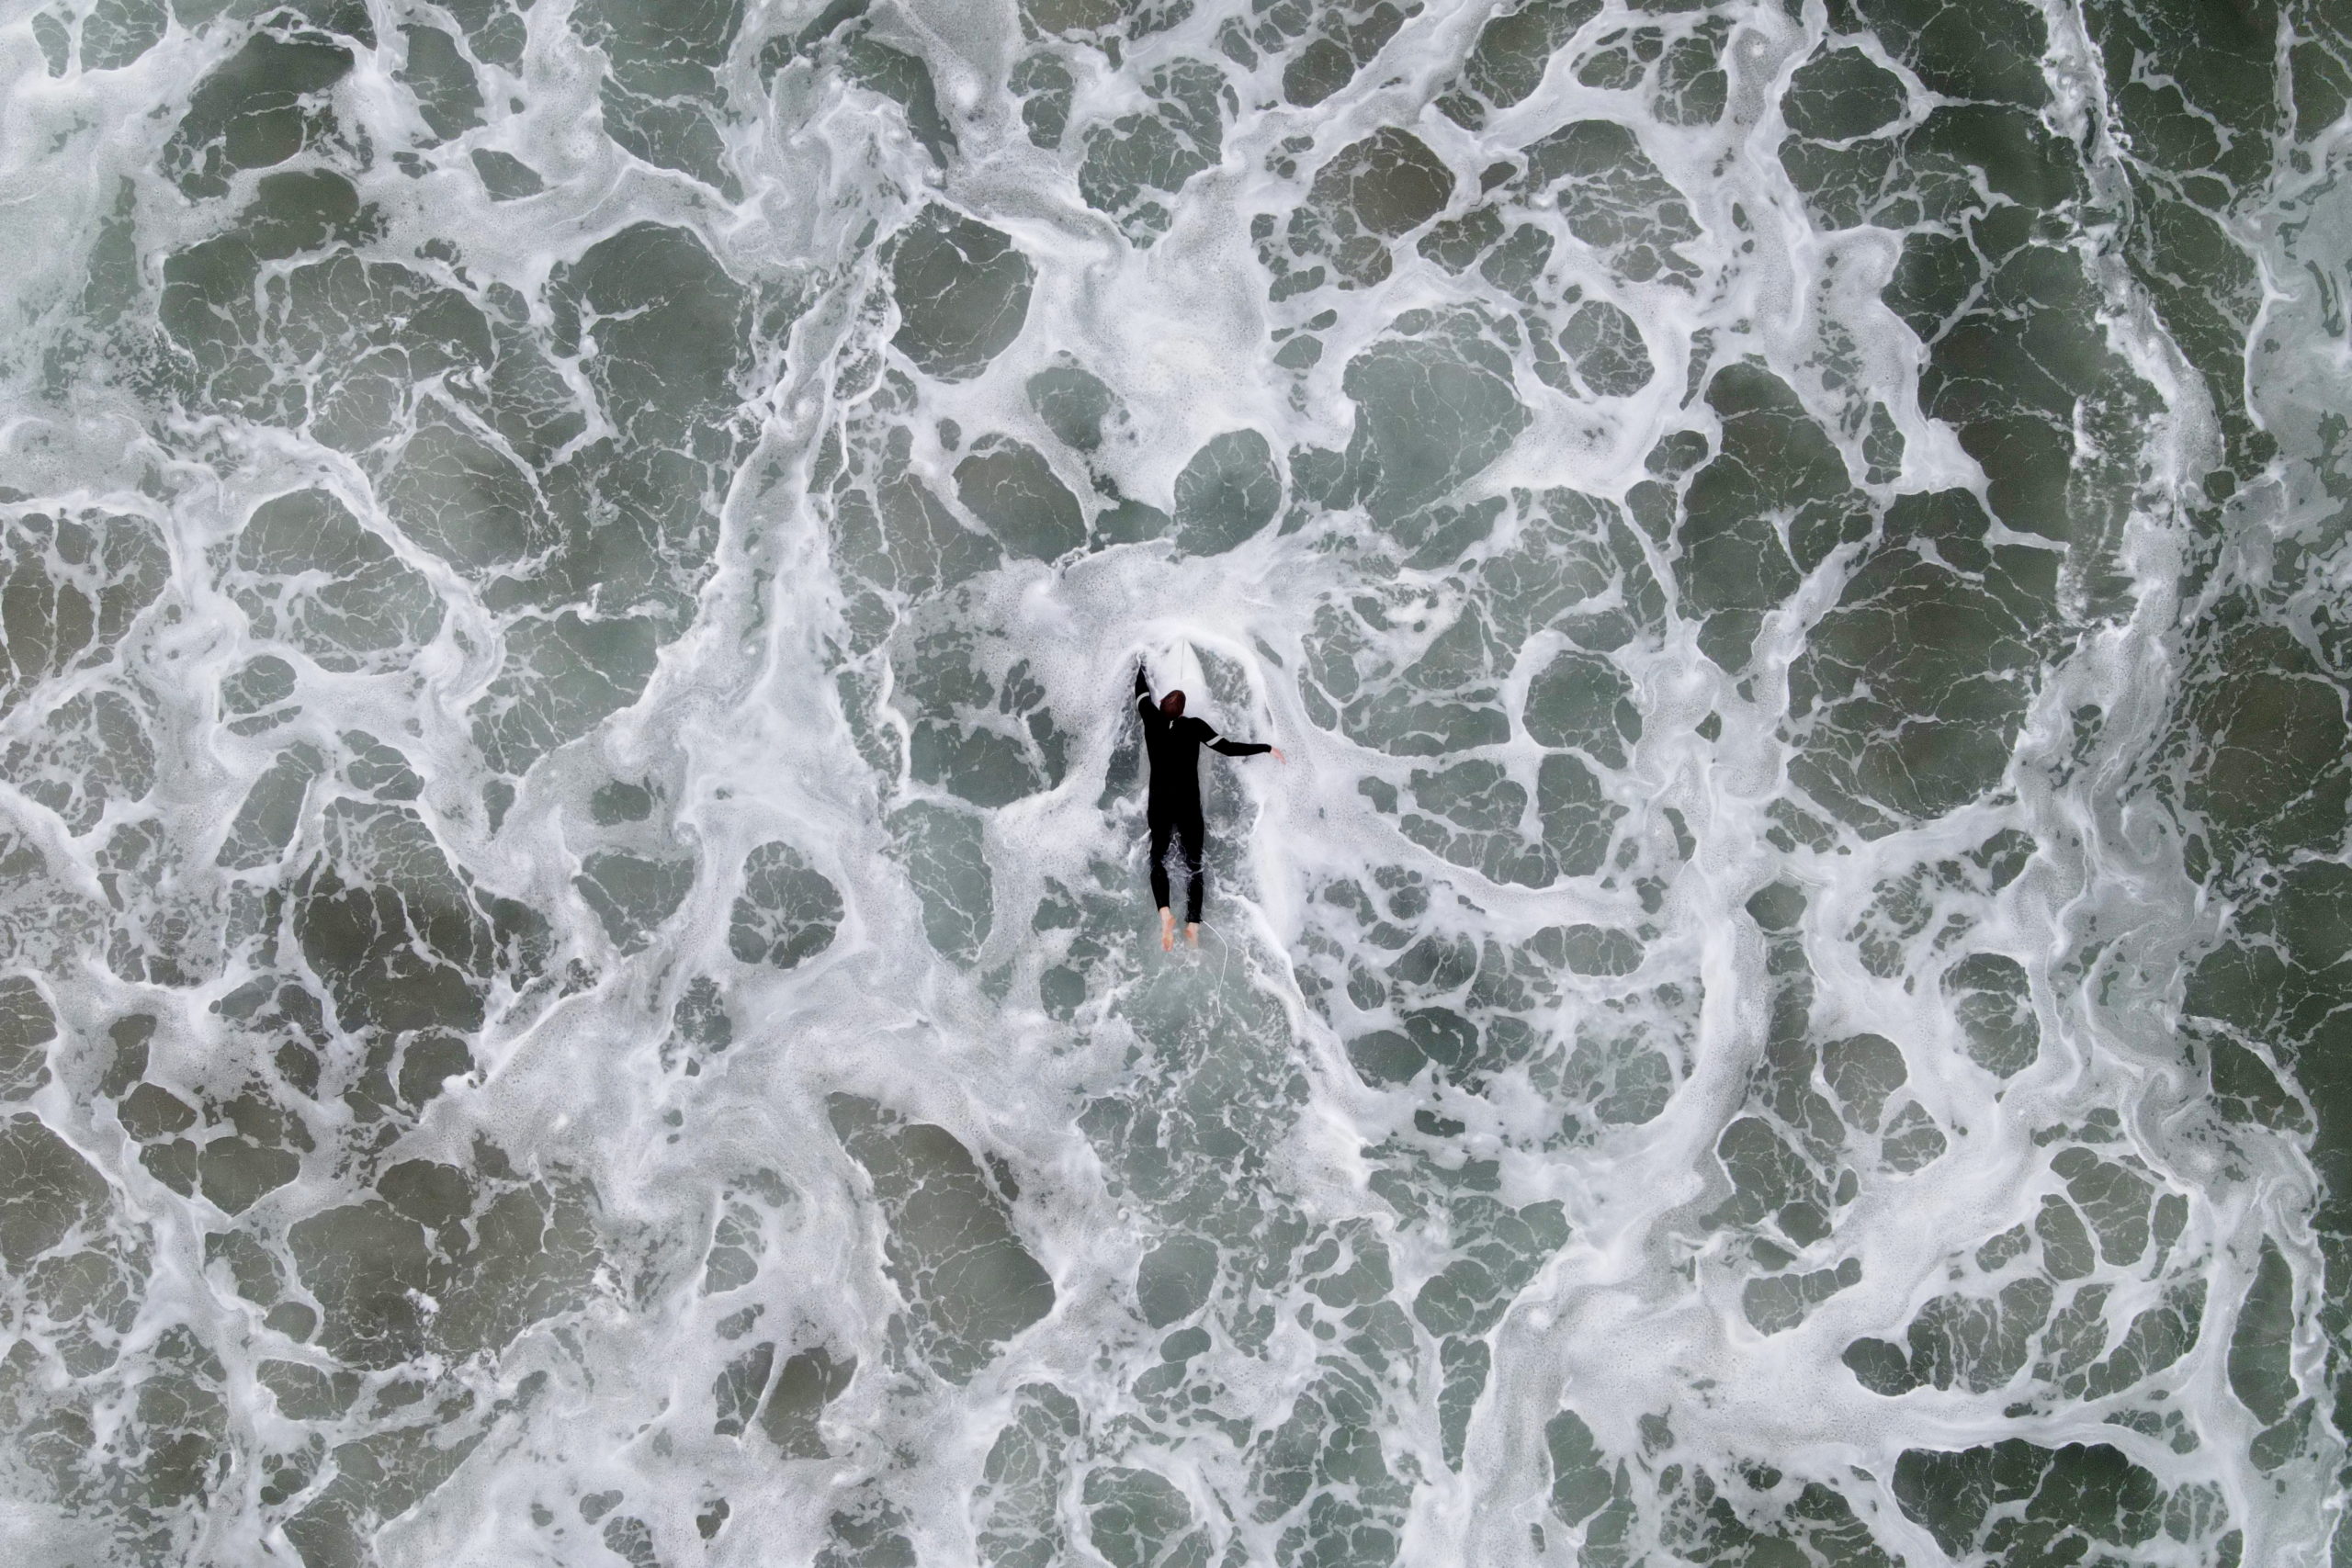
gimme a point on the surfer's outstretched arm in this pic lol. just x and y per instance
(1239, 748)
(1143, 688)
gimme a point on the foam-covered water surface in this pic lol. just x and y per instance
(577, 982)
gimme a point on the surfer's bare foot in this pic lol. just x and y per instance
(1192, 933)
(1167, 931)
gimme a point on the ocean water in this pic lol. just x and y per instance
(576, 979)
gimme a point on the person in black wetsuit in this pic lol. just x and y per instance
(1173, 743)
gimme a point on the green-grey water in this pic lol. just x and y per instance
(576, 982)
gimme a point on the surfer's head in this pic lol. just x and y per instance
(1172, 705)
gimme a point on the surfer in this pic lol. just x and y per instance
(1173, 808)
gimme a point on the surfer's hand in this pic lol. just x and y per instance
(1275, 751)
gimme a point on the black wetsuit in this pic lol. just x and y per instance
(1174, 808)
